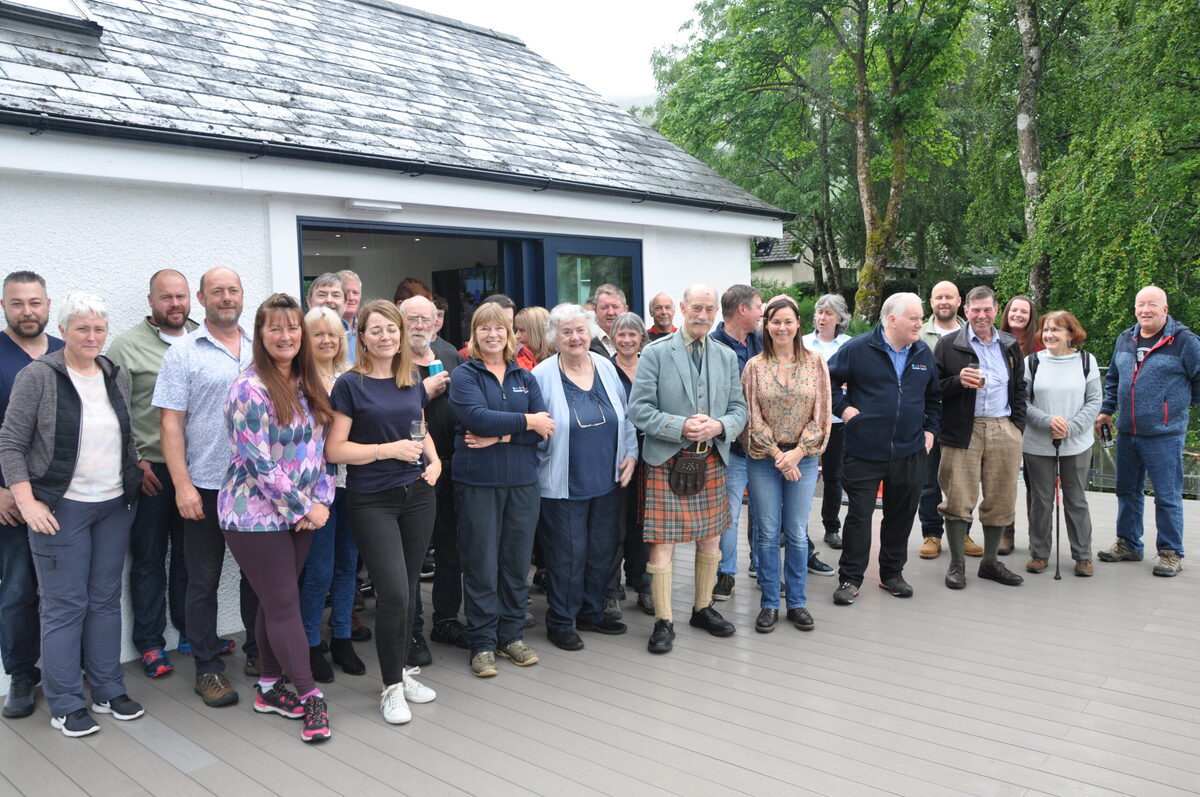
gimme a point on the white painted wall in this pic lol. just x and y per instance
(104, 215)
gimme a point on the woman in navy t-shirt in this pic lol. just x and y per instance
(389, 487)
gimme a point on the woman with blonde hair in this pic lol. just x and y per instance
(378, 432)
(530, 328)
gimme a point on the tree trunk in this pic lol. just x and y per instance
(817, 261)
(1028, 148)
(871, 276)
(921, 253)
(832, 260)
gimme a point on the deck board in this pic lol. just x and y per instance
(1071, 687)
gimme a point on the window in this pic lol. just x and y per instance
(68, 15)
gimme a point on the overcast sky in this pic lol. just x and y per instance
(604, 45)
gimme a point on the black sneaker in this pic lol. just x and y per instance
(418, 651)
(121, 707)
(723, 591)
(817, 567)
(606, 625)
(277, 700)
(845, 594)
(428, 569)
(449, 632)
(21, 698)
(897, 586)
(77, 723)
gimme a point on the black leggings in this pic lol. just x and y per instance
(392, 530)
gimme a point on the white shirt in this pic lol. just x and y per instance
(97, 474)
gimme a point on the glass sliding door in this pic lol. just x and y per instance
(575, 267)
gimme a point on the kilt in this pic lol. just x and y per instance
(671, 518)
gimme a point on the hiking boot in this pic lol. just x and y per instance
(1036, 565)
(1084, 569)
(483, 664)
(1008, 541)
(971, 548)
(1120, 552)
(278, 700)
(215, 690)
(930, 548)
(316, 720)
(1168, 564)
(723, 591)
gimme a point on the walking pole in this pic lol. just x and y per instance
(1057, 510)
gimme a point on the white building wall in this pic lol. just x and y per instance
(103, 216)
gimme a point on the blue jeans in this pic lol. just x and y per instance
(20, 634)
(330, 568)
(1162, 458)
(153, 588)
(79, 569)
(782, 506)
(735, 485)
(582, 538)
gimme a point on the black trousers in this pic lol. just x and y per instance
(831, 476)
(204, 556)
(902, 481)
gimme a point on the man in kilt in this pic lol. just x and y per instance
(687, 399)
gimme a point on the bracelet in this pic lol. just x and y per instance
(377, 452)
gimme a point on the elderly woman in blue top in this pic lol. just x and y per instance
(501, 418)
(594, 451)
(276, 493)
(68, 456)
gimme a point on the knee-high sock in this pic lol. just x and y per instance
(660, 589)
(956, 534)
(706, 576)
(991, 542)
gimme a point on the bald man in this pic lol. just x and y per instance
(944, 303)
(1153, 377)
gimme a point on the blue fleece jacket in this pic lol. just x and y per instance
(487, 408)
(894, 414)
(1152, 398)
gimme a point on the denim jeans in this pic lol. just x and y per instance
(329, 569)
(782, 507)
(154, 588)
(581, 538)
(79, 570)
(735, 485)
(20, 628)
(1161, 457)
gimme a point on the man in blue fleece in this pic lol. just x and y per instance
(1152, 379)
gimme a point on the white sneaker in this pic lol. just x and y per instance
(414, 690)
(392, 704)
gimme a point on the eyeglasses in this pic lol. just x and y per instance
(419, 320)
(599, 406)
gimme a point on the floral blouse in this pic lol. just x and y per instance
(793, 413)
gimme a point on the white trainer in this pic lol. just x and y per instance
(414, 690)
(393, 706)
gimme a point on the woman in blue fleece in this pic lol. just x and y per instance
(501, 419)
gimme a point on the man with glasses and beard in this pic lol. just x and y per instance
(157, 520)
(26, 311)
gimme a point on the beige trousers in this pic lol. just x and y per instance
(991, 462)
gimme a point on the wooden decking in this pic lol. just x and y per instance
(1078, 686)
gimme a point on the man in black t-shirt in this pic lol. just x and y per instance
(420, 317)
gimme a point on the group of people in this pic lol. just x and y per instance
(572, 440)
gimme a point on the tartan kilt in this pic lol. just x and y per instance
(671, 518)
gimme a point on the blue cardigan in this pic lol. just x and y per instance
(1153, 399)
(554, 474)
(485, 407)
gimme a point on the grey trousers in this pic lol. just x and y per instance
(1040, 472)
(79, 579)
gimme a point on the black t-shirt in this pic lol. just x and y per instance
(380, 412)
(1144, 344)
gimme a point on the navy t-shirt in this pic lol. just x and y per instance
(593, 442)
(12, 359)
(379, 412)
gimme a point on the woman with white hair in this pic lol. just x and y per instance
(831, 317)
(68, 455)
(579, 474)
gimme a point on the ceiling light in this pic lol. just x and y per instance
(373, 206)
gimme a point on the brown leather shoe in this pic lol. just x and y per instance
(1007, 541)
(971, 548)
(996, 571)
(1036, 565)
(930, 548)
(956, 577)
(1083, 568)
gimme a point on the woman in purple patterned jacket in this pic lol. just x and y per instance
(277, 491)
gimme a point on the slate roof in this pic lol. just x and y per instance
(361, 77)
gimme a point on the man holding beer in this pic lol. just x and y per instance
(983, 417)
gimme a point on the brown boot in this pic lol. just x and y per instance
(971, 548)
(1006, 540)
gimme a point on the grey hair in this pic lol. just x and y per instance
(837, 303)
(324, 281)
(561, 314)
(893, 304)
(608, 289)
(347, 274)
(980, 293)
(629, 321)
(81, 303)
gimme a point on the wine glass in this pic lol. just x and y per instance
(418, 431)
